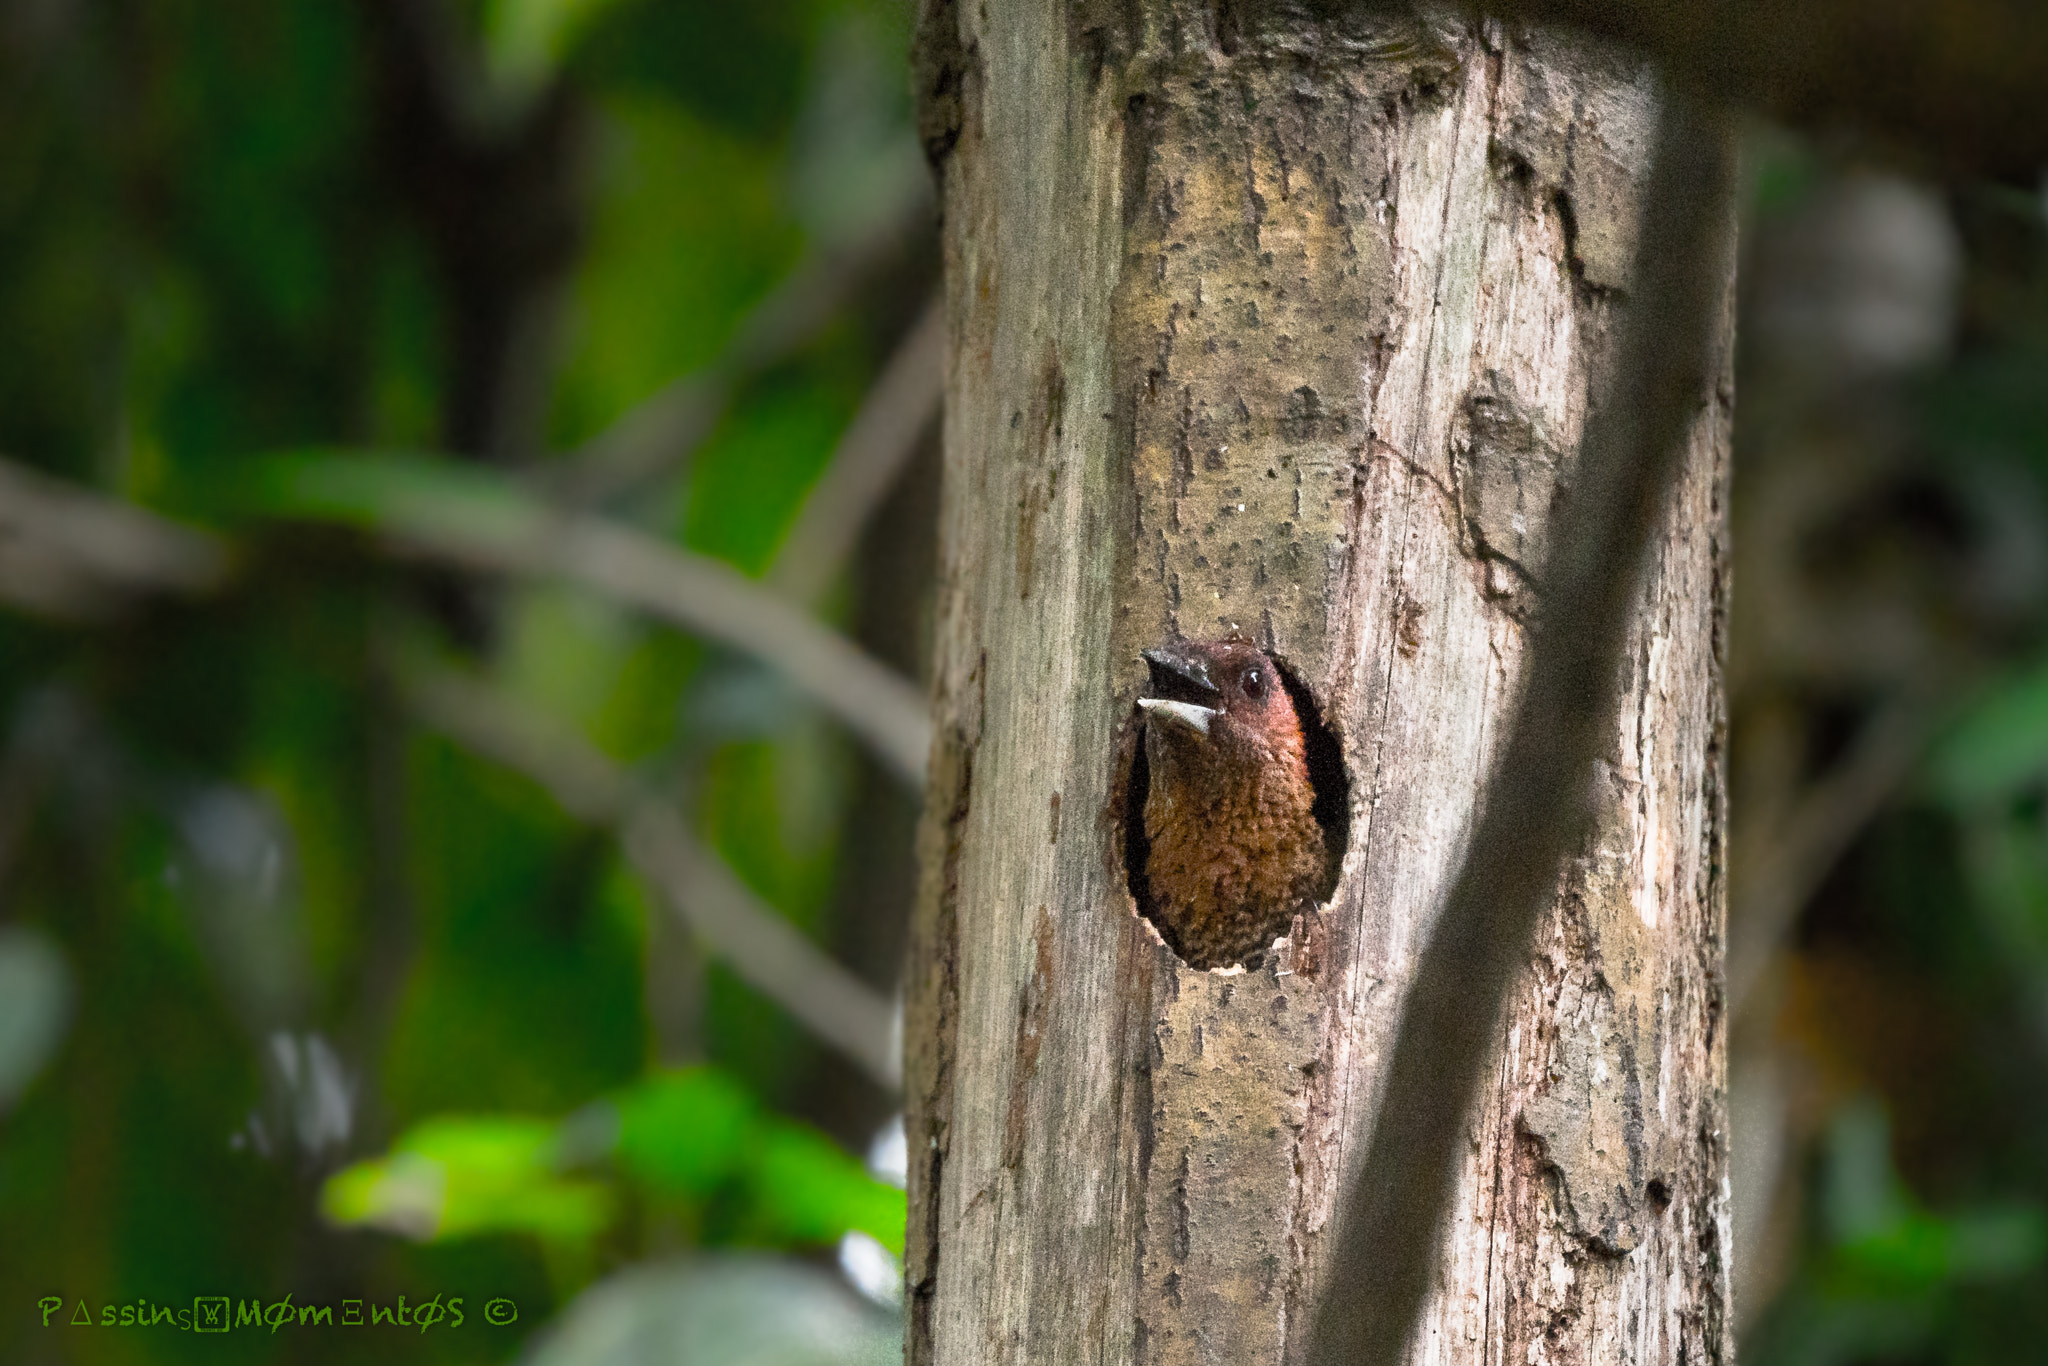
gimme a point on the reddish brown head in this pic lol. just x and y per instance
(1224, 696)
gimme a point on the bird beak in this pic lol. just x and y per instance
(1175, 669)
(1181, 686)
(1186, 713)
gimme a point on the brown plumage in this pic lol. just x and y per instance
(1234, 848)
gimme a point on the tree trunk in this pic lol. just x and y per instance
(1286, 326)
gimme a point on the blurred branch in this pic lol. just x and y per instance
(715, 600)
(1534, 813)
(657, 437)
(467, 517)
(1960, 80)
(867, 462)
(1776, 873)
(762, 947)
(69, 552)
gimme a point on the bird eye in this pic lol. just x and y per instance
(1254, 681)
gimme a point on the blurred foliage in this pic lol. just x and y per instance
(1886, 1278)
(284, 977)
(693, 1139)
(1891, 526)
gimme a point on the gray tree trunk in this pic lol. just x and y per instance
(1288, 327)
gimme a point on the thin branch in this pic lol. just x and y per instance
(70, 552)
(759, 945)
(657, 437)
(1784, 866)
(867, 462)
(1534, 812)
(1958, 80)
(715, 600)
(469, 518)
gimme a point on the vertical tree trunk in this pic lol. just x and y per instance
(1288, 326)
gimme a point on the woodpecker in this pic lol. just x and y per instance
(1234, 847)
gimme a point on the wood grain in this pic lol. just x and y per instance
(1283, 326)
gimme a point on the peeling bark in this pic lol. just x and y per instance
(1289, 326)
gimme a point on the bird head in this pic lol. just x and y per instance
(1222, 696)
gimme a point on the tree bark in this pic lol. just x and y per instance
(1287, 326)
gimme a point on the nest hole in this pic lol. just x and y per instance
(1326, 775)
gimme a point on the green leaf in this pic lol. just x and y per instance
(1886, 1245)
(809, 1190)
(456, 1177)
(698, 1133)
(688, 231)
(687, 1132)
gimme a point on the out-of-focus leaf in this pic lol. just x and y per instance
(1913, 1253)
(1999, 744)
(809, 1190)
(407, 361)
(741, 67)
(1890, 1272)
(693, 1134)
(775, 800)
(688, 231)
(750, 480)
(720, 1311)
(1996, 1244)
(564, 651)
(1886, 1245)
(687, 1132)
(1920, 1254)
(525, 994)
(2007, 868)
(457, 1177)
(35, 1005)
(697, 1133)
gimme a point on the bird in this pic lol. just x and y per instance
(1233, 848)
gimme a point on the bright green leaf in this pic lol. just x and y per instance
(687, 1132)
(809, 1190)
(455, 1177)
